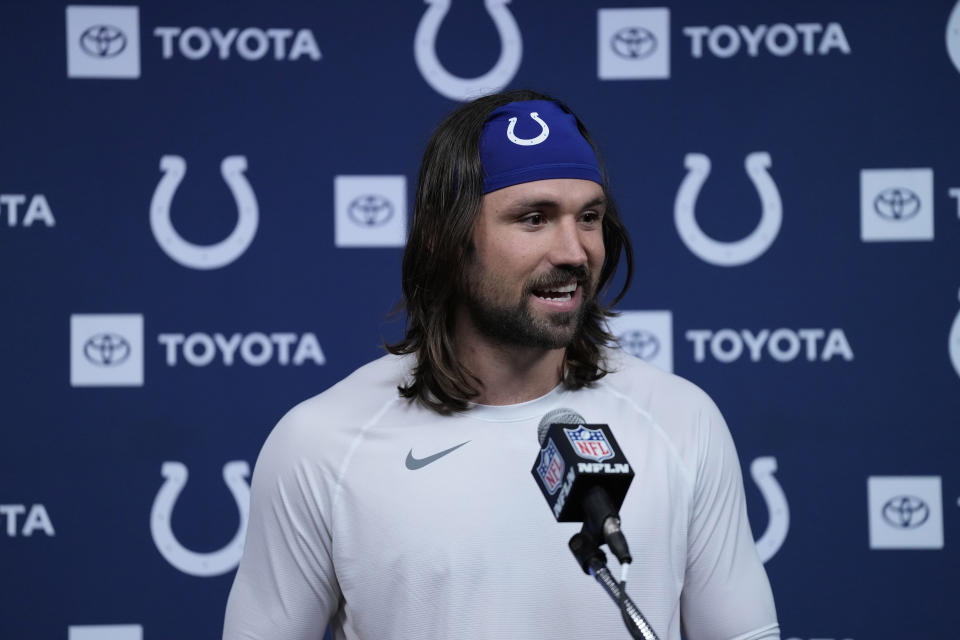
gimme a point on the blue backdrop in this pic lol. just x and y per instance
(202, 214)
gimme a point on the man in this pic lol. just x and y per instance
(399, 503)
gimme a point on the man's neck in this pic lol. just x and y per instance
(510, 373)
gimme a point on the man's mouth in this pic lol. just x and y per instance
(561, 292)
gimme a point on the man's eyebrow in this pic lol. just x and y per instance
(542, 203)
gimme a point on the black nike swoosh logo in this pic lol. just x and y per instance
(418, 463)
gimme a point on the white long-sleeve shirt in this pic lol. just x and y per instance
(343, 531)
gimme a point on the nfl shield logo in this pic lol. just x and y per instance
(589, 443)
(551, 467)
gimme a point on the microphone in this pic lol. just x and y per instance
(584, 476)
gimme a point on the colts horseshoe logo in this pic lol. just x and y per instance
(528, 142)
(212, 256)
(953, 35)
(762, 470)
(955, 343)
(191, 562)
(454, 87)
(728, 254)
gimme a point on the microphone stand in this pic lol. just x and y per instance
(593, 561)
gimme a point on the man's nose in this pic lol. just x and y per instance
(568, 247)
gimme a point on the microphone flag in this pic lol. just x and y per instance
(575, 458)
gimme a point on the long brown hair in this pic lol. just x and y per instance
(449, 194)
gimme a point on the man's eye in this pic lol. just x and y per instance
(591, 216)
(535, 219)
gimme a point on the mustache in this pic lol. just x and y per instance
(560, 276)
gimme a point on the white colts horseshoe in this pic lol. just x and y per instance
(762, 470)
(728, 254)
(454, 87)
(211, 256)
(191, 562)
(528, 142)
(953, 35)
(955, 343)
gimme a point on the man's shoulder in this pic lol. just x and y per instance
(338, 412)
(377, 378)
(680, 411)
(640, 379)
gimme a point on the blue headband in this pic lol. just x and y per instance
(534, 140)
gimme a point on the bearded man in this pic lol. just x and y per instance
(399, 503)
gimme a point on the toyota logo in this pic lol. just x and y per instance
(905, 512)
(633, 43)
(370, 210)
(896, 203)
(640, 343)
(106, 349)
(103, 41)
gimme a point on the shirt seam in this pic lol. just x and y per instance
(688, 475)
(354, 445)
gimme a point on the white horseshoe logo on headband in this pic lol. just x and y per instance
(191, 562)
(739, 252)
(215, 255)
(528, 142)
(454, 87)
(778, 512)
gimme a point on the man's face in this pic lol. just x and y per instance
(537, 255)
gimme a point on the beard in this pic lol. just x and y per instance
(515, 324)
